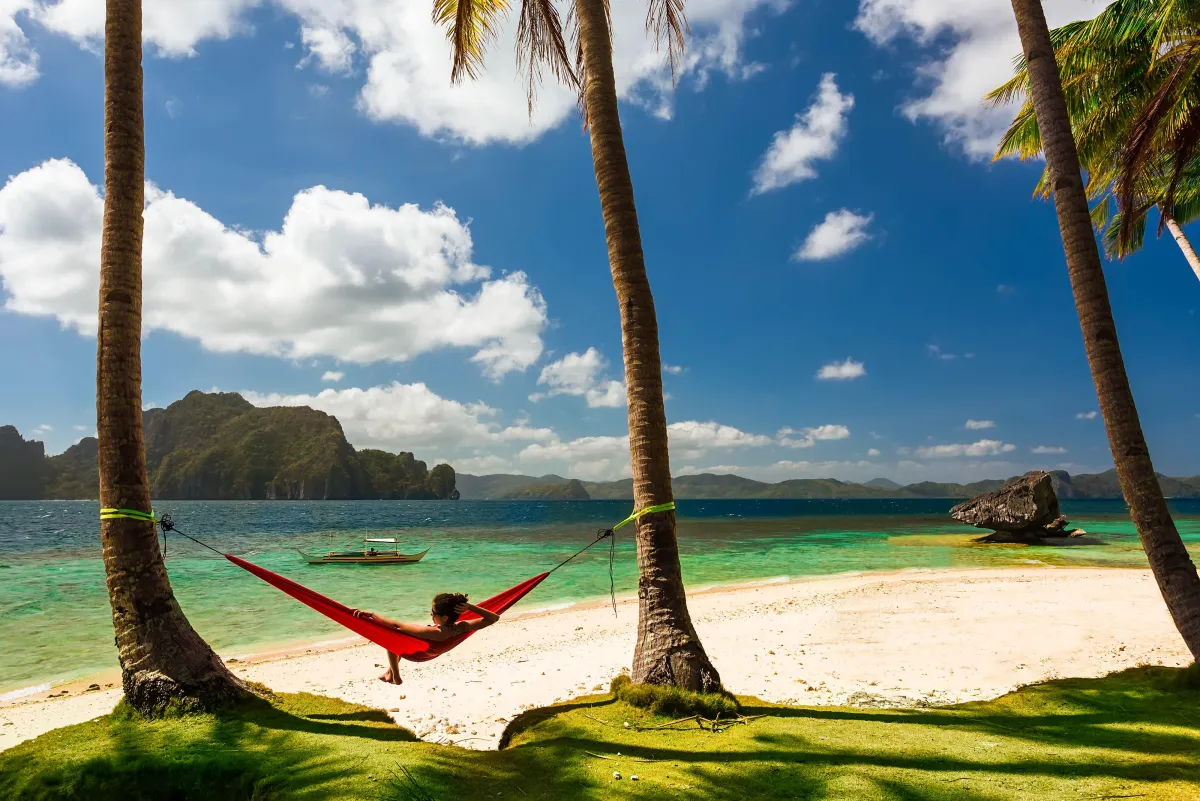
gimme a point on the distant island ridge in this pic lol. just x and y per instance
(713, 486)
(219, 446)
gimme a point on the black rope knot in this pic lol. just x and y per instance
(167, 524)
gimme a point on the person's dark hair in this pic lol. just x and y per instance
(444, 603)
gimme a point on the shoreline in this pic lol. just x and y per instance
(890, 638)
(275, 650)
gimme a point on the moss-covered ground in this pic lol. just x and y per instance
(1130, 735)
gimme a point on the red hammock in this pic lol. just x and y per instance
(411, 648)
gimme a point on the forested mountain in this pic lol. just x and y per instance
(219, 446)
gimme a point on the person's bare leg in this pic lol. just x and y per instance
(392, 675)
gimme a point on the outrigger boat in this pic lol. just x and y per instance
(371, 556)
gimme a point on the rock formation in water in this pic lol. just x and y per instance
(22, 466)
(1024, 508)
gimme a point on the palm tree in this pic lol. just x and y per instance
(163, 661)
(1124, 75)
(1169, 559)
(668, 650)
(1121, 238)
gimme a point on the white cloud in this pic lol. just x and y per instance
(904, 471)
(1005, 289)
(333, 376)
(580, 375)
(330, 48)
(81, 428)
(589, 458)
(787, 469)
(44, 428)
(1045, 449)
(607, 458)
(475, 439)
(18, 60)
(842, 371)
(407, 75)
(409, 417)
(342, 277)
(979, 425)
(673, 369)
(692, 439)
(936, 352)
(1087, 415)
(983, 43)
(174, 108)
(611, 394)
(406, 57)
(811, 436)
(172, 28)
(840, 232)
(984, 447)
(481, 465)
(814, 136)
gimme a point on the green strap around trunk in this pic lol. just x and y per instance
(130, 514)
(649, 510)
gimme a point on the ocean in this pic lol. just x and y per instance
(55, 622)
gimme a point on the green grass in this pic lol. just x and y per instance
(673, 702)
(1130, 735)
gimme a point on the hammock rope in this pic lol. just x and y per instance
(406, 646)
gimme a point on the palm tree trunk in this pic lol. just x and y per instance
(668, 650)
(1169, 559)
(163, 661)
(1181, 239)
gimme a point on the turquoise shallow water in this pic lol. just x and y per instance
(55, 621)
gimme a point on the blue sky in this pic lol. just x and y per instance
(333, 224)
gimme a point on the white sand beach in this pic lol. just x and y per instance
(898, 639)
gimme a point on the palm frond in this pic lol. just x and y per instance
(667, 23)
(540, 42)
(1146, 127)
(1183, 151)
(1131, 79)
(1114, 248)
(1008, 92)
(1102, 213)
(470, 26)
(1022, 139)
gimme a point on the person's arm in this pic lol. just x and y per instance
(486, 618)
(430, 633)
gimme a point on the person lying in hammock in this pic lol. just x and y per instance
(447, 607)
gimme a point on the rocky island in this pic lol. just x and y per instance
(219, 446)
(1025, 509)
